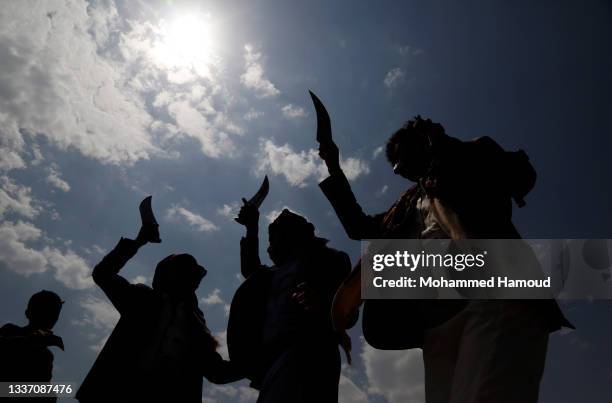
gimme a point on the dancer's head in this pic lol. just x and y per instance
(290, 236)
(179, 275)
(44, 309)
(409, 149)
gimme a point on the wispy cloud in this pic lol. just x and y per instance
(213, 298)
(70, 269)
(229, 210)
(299, 167)
(291, 111)
(98, 313)
(377, 152)
(20, 256)
(253, 114)
(54, 178)
(394, 77)
(177, 213)
(408, 50)
(348, 392)
(16, 198)
(254, 76)
(395, 375)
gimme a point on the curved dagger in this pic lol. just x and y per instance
(258, 197)
(147, 217)
(324, 133)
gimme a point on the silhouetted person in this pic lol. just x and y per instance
(24, 350)
(161, 347)
(478, 351)
(290, 352)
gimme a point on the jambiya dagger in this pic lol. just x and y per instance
(324, 133)
(258, 197)
(148, 218)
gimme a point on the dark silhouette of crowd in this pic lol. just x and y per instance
(288, 321)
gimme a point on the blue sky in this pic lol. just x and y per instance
(105, 102)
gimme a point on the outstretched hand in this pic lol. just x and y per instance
(329, 152)
(248, 214)
(148, 233)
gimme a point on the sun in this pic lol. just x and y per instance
(187, 41)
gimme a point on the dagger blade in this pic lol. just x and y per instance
(261, 194)
(258, 197)
(324, 132)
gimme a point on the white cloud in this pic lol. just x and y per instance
(213, 298)
(240, 394)
(177, 213)
(14, 252)
(222, 339)
(253, 114)
(229, 210)
(254, 76)
(99, 313)
(215, 143)
(11, 143)
(299, 167)
(16, 198)
(291, 111)
(354, 168)
(140, 279)
(409, 51)
(296, 167)
(54, 82)
(382, 191)
(54, 178)
(378, 151)
(78, 74)
(348, 392)
(394, 77)
(396, 375)
(70, 269)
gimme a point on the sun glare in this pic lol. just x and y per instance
(187, 41)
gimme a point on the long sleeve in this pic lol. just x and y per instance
(106, 273)
(219, 371)
(357, 224)
(249, 254)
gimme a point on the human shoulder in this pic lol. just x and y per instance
(10, 329)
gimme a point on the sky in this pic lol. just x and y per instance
(105, 102)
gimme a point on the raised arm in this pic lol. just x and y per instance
(249, 244)
(357, 224)
(106, 273)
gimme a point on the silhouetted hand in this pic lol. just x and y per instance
(149, 230)
(148, 233)
(307, 298)
(329, 152)
(248, 215)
